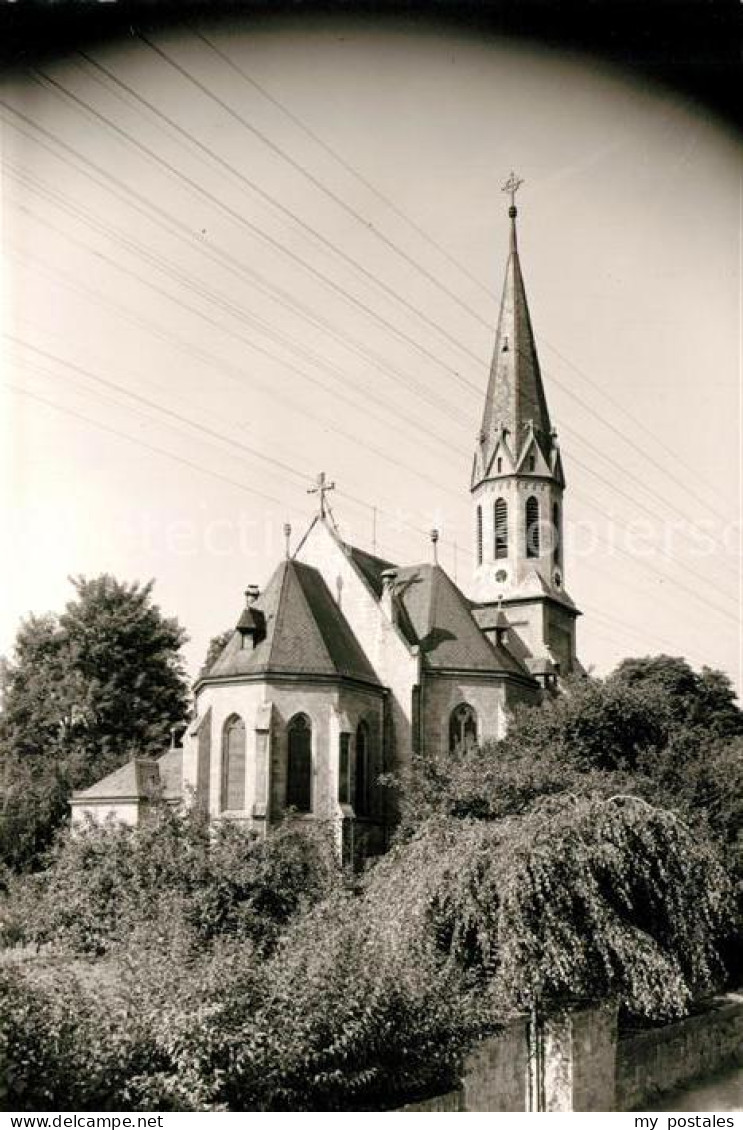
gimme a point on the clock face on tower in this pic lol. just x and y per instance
(501, 576)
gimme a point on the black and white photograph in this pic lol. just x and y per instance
(371, 652)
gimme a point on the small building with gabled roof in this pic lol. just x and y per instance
(127, 794)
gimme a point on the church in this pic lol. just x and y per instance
(345, 666)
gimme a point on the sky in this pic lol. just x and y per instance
(235, 257)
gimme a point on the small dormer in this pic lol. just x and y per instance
(252, 622)
(531, 459)
(499, 460)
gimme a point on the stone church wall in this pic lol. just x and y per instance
(442, 693)
(320, 702)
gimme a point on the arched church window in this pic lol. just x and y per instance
(479, 535)
(532, 526)
(361, 779)
(462, 728)
(344, 770)
(233, 764)
(556, 547)
(299, 764)
(500, 464)
(500, 520)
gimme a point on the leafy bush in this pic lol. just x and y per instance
(338, 1018)
(595, 725)
(344, 1018)
(102, 883)
(59, 1048)
(496, 780)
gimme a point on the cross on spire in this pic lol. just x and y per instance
(322, 487)
(512, 185)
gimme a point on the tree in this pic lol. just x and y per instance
(82, 693)
(705, 699)
(578, 897)
(596, 724)
(558, 815)
(496, 780)
(216, 646)
(104, 884)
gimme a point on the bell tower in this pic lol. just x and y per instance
(517, 487)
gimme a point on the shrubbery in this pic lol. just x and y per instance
(338, 1017)
(365, 999)
(220, 971)
(104, 883)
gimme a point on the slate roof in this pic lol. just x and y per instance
(370, 566)
(515, 391)
(138, 778)
(437, 617)
(306, 632)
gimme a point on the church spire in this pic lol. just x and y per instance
(517, 492)
(515, 400)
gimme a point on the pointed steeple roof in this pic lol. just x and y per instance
(515, 398)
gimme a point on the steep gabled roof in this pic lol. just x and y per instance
(515, 393)
(306, 632)
(139, 779)
(438, 614)
(370, 566)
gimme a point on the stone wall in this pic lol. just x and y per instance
(580, 1065)
(495, 1074)
(451, 1101)
(662, 1059)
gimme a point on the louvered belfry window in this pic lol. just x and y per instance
(233, 765)
(479, 535)
(299, 764)
(500, 516)
(556, 548)
(532, 526)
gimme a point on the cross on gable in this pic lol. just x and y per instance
(322, 488)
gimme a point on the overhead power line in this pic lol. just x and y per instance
(411, 469)
(292, 116)
(609, 485)
(589, 470)
(624, 438)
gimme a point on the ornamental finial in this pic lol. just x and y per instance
(512, 185)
